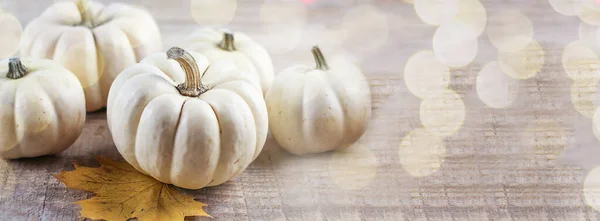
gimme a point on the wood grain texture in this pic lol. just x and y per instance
(489, 171)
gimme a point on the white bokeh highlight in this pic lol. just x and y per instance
(353, 168)
(581, 63)
(421, 153)
(455, 43)
(509, 30)
(436, 12)
(524, 63)
(213, 12)
(442, 113)
(283, 25)
(425, 75)
(494, 87)
(11, 31)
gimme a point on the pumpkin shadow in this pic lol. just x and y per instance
(40, 165)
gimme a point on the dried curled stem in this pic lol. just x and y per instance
(192, 86)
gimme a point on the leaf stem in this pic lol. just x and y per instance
(16, 69)
(86, 16)
(319, 59)
(228, 42)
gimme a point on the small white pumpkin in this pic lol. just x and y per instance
(238, 47)
(314, 110)
(93, 41)
(42, 108)
(199, 133)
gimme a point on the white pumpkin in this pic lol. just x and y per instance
(93, 41)
(199, 133)
(237, 47)
(313, 110)
(42, 108)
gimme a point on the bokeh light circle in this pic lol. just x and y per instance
(495, 88)
(455, 43)
(567, 7)
(213, 12)
(283, 25)
(581, 63)
(591, 188)
(596, 123)
(442, 113)
(365, 27)
(421, 153)
(424, 74)
(353, 168)
(436, 12)
(473, 14)
(590, 15)
(509, 30)
(524, 63)
(585, 97)
(11, 31)
(588, 34)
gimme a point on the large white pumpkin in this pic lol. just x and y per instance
(42, 108)
(93, 41)
(313, 110)
(182, 122)
(221, 44)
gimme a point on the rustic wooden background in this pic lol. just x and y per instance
(489, 170)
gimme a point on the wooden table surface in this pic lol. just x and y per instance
(488, 170)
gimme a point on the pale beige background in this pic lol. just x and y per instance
(492, 168)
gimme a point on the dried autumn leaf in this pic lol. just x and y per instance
(123, 193)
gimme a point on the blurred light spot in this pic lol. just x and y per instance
(283, 26)
(595, 4)
(455, 43)
(322, 36)
(409, 1)
(567, 7)
(590, 15)
(585, 97)
(548, 138)
(442, 113)
(588, 34)
(596, 123)
(353, 168)
(425, 74)
(473, 14)
(509, 30)
(591, 189)
(365, 27)
(581, 63)
(421, 153)
(213, 12)
(524, 63)
(495, 88)
(8, 180)
(10, 35)
(436, 12)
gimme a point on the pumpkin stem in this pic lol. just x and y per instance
(319, 59)
(228, 42)
(86, 14)
(16, 69)
(192, 86)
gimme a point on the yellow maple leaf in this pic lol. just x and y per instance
(123, 193)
